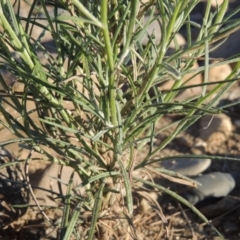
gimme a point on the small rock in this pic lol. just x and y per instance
(146, 201)
(154, 29)
(188, 166)
(24, 10)
(215, 3)
(48, 185)
(187, 80)
(213, 185)
(199, 146)
(215, 141)
(215, 128)
(217, 74)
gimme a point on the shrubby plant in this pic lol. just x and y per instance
(98, 100)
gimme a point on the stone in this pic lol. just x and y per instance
(215, 129)
(24, 9)
(218, 73)
(213, 185)
(195, 80)
(153, 28)
(215, 74)
(187, 166)
(51, 185)
(214, 3)
(146, 201)
(187, 80)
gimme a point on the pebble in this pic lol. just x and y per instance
(190, 92)
(154, 28)
(213, 185)
(218, 73)
(24, 9)
(214, 3)
(188, 166)
(146, 201)
(215, 129)
(50, 181)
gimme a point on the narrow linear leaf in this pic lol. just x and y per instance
(95, 212)
(72, 222)
(127, 185)
(67, 225)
